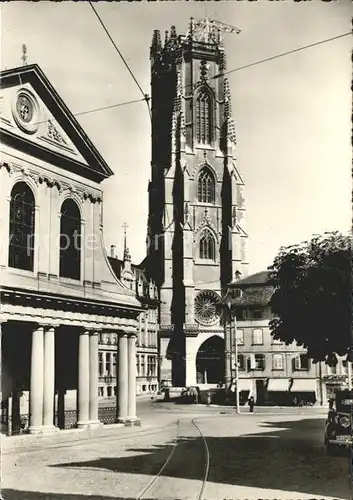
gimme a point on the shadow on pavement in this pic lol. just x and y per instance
(35, 495)
(292, 449)
(286, 455)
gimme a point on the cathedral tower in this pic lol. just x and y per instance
(196, 236)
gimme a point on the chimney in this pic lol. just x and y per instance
(112, 251)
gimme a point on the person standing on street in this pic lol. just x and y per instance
(251, 403)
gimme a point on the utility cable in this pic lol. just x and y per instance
(145, 96)
(282, 54)
(103, 108)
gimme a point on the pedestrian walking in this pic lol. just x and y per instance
(251, 403)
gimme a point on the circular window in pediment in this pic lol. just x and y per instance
(25, 111)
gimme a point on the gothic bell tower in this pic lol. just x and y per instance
(196, 236)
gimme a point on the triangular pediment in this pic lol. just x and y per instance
(34, 119)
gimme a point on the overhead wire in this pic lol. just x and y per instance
(146, 97)
(95, 110)
(282, 54)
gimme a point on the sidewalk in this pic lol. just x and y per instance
(24, 442)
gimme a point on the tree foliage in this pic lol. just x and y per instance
(312, 299)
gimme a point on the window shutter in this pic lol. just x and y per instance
(297, 364)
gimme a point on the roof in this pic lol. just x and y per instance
(118, 264)
(256, 291)
(254, 296)
(143, 295)
(95, 167)
(258, 279)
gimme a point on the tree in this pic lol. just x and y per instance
(312, 299)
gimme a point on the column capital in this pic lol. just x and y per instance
(84, 331)
(94, 331)
(47, 326)
(39, 326)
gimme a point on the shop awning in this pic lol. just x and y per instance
(278, 384)
(244, 384)
(303, 385)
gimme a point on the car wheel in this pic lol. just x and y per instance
(331, 449)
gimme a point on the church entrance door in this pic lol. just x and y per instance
(210, 361)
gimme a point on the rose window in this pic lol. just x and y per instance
(206, 310)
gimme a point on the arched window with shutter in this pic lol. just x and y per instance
(70, 240)
(206, 186)
(207, 246)
(22, 227)
(203, 112)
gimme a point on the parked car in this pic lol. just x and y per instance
(338, 425)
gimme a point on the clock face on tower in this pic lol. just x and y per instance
(206, 312)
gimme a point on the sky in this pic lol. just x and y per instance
(292, 114)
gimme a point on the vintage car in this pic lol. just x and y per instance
(338, 425)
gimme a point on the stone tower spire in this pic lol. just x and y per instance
(156, 45)
(196, 221)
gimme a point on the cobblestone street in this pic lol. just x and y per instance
(250, 456)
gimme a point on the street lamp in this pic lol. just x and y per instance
(231, 346)
(234, 354)
(232, 343)
(349, 368)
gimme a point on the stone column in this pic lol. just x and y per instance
(93, 379)
(2, 321)
(122, 386)
(83, 393)
(36, 382)
(132, 419)
(49, 378)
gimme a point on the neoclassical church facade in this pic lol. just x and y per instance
(58, 290)
(196, 237)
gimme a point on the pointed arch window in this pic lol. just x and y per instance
(203, 117)
(70, 240)
(207, 246)
(206, 186)
(22, 227)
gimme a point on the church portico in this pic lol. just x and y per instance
(46, 354)
(58, 289)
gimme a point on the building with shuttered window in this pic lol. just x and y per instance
(270, 370)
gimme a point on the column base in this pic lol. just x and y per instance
(43, 429)
(49, 429)
(121, 420)
(132, 422)
(95, 424)
(35, 429)
(83, 425)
